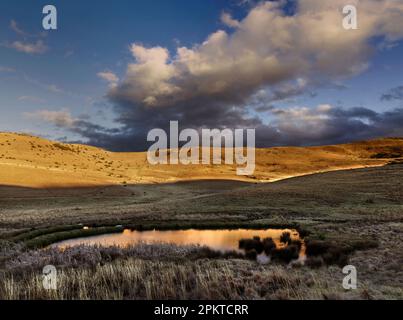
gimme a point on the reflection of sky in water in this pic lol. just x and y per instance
(223, 240)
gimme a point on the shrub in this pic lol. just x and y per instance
(232, 255)
(316, 248)
(314, 262)
(386, 155)
(303, 233)
(297, 243)
(330, 253)
(206, 252)
(251, 244)
(285, 238)
(364, 244)
(268, 245)
(63, 147)
(336, 256)
(286, 254)
(251, 254)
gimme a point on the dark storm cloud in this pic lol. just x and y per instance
(295, 126)
(393, 94)
(329, 125)
(271, 55)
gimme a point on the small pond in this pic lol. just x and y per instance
(240, 240)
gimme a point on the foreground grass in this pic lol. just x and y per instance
(165, 271)
(201, 279)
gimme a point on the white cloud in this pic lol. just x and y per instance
(267, 48)
(26, 46)
(61, 118)
(268, 56)
(149, 77)
(227, 19)
(14, 26)
(37, 47)
(108, 76)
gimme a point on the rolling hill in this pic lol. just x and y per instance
(28, 161)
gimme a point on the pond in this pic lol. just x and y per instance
(240, 240)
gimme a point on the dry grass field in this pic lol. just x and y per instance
(356, 207)
(28, 161)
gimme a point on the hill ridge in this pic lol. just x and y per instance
(30, 161)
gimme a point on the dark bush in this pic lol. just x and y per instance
(329, 252)
(286, 254)
(285, 238)
(268, 245)
(251, 244)
(251, 254)
(364, 244)
(207, 253)
(232, 255)
(303, 233)
(333, 253)
(386, 155)
(314, 262)
(335, 256)
(297, 243)
(317, 248)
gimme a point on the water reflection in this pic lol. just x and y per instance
(221, 240)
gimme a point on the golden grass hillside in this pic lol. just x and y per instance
(28, 161)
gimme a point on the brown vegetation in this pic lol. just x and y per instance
(352, 213)
(29, 161)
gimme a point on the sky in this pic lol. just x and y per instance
(114, 70)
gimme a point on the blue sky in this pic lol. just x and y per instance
(90, 38)
(63, 75)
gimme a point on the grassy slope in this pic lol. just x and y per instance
(38, 163)
(343, 206)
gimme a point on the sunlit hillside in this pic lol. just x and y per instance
(35, 162)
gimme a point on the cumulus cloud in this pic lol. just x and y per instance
(227, 19)
(268, 56)
(148, 78)
(268, 48)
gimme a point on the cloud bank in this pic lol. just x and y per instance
(266, 57)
